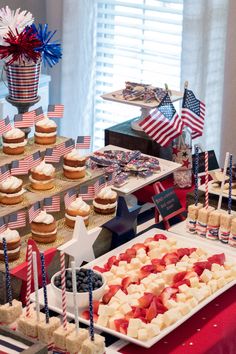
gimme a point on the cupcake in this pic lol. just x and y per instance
(105, 201)
(44, 228)
(42, 176)
(45, 132)
(11, 191)
(13, 142)
(77, 207)
(74, 165)
(13, 244)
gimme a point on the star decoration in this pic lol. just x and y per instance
(81, 245)
(175, 150)
(186, 163)
(185, 154)
(122, 225)
(20, 271)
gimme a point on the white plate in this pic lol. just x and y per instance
(212, 190)
(135, 183)
(54, 304)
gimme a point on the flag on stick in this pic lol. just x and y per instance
(34, 159)
(87, 192)
(39, 115)
(34, 211)
(2, 225)
(83, 142)
(55, 110)
(24, 120)
(52, 204)
(99, 185)
(69, 197)
(17, 220)
(20, 167)
(66, 147)
(4, 172)
(52, 155)
(5, 125)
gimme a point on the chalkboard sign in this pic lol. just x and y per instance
(168, 203)
(212, 161)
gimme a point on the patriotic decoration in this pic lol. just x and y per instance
(4, 172)
(34, 159)
(69, 197)
(99, 185)
(39, 115)
(2, 225)
(20, 167)
(52, 155)
(110, 179)
(66, 147)
(83, 142)
(34, 210)
(55, 110)
(5, 125)
(193, 113)
(52, 204)
(87, 192)
(17, 220)
(24, 120)
(163, 124)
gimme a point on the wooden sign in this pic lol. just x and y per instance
(212, 161)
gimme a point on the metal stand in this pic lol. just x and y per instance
(23, 107)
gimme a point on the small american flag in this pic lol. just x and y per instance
(52, 204)
(99, 185)
(4, 172)
(55, 110)
(2, 225)
(163, 124)
(87, 192)
(34, 159)
(24, 120)
(193, 113)
(5, 125)
(17, 220)
(39, 114)
(110, 179)
(52, 155)
(20, 167)
(83, 142)
(66, 147)
(69, 197)
(34, 210)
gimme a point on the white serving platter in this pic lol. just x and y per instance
(183, 241)
(135, 183)
(215, 191)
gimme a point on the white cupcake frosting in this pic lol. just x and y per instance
(44, 168)
(11, 251)
(44, 218)
(73, 218)
(107, 193)
(45, 134)
(15, 145)
(11, 182)
(104, 206)
(41, 182)
(79, 204)
(14, 133)
(10, 235)
(70, 168)
(46, 122)
(74, 155)
(12, 195)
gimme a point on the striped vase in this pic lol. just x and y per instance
(23, 81)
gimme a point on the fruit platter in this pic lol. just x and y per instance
(153, 284)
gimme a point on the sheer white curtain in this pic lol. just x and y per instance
(203, 57)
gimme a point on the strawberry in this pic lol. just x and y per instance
(149, 239)
(181, 282)
(170, 258)
(123, 257)
(191, 250)
(112, 260)
(159, 305)
(110, 293)
(157, 265)
(99, 269)
(179, 276)
(151, 311)
(158, 237)
(131, 252)
(85, 315)
(190, 274)
(145, 300)
(146, 270)
(200, 266)
(139, 312)
(167, 293)
(183, 252)
(129, 315)
(217, 258)
(95, 306)
(121, 324)
(138, 246)
(124, 327)
(126, 282)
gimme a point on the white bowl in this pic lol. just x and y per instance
(82, 298)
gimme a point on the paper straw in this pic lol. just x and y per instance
(63, 289)
(91, 322)
(8, 277)
(28, 281)
(36, 285)
(230, 183)
(206, 181)
(44, 287)
(223, 181)
(74, 285)
(196, 175)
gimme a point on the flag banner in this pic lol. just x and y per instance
(87, 192)
(83, 142)
(52, 155)
(110, 179)
(2, 225)
(52, 204)
(4, 172)
(66, 147)
(99, 185)
(24, 120)
(39, 115)
(163, 124)
(35, 159)
(69, 197)
(20, 167)
(5, 125)
(17, 220)
(55, 110)
(34, 210)
(193, 113)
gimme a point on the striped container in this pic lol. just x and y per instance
(23, 81)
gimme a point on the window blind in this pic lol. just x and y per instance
(136, 40)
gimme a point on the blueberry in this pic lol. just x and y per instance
(68, 283)
(99, 283)
(85, 280)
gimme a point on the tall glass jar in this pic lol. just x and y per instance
(182, 153)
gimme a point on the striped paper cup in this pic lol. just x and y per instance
(23, 81)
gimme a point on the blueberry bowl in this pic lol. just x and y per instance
(98, 282)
